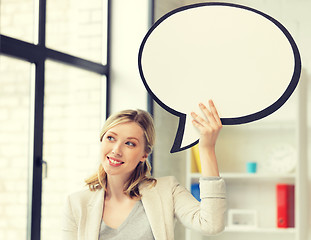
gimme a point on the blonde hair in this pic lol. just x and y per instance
(141, 173)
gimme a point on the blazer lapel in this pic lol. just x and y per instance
(94, 215)
(154, 211)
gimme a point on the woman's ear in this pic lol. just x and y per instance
(144, 157)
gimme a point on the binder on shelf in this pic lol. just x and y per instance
(195, 156)
(195, 191)
(285, 205)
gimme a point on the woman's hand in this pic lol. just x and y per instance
(210, 127)
(209, 130)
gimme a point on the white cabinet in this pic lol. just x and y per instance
(256, 142)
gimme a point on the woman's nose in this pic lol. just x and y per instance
(117, 151)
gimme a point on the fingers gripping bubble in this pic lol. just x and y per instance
(243, 59)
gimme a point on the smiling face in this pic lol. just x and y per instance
(122, 148)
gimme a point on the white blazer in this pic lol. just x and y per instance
(163, 203)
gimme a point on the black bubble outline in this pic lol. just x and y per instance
(225, 121)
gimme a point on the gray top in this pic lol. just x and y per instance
(135, 227)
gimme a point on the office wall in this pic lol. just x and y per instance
(295, 16)
(129, 24)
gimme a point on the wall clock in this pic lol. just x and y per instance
(280, 158)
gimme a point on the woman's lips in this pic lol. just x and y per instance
(114, 162)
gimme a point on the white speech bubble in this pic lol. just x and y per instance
(243, 59)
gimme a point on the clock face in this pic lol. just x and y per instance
(280, 159)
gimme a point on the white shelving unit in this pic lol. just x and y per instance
(239, 144)
(259, 190)
(251, 191)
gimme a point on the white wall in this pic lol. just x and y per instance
(295, 16)
(129, 25)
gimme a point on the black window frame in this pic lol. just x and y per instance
(38, 54)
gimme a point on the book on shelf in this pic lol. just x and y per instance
(285, 196)
(195, 159)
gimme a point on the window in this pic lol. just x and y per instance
(14, 146)
(54, 83)
(72, 123)
(78, 27)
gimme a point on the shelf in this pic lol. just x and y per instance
(260, 230)
(249, 176)
(289, 178)
(261, 126)
(258, 176)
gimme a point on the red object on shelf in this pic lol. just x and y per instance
(285, 196)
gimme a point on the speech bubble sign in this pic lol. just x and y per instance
(243, 59)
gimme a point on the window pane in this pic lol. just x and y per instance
(72, 122)
(14, 145)
(17, 19)
(78, 27)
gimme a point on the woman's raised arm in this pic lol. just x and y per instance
(209, 128)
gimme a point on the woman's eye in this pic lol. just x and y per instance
(131, 144)
(110, 138)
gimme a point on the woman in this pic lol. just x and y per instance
(124, 202)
